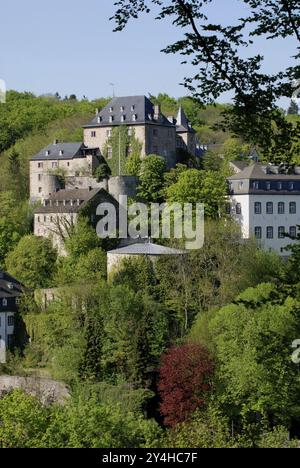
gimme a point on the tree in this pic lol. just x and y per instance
(133, 164)
(23, 421)
(255, 378)
(82, 239)
(184, 382)
(293, 108)
(216, 50)
(33, 262)
(193, 186)
(151, 178)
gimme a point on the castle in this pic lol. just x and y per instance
(62, 175)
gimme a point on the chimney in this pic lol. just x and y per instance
(157, 111)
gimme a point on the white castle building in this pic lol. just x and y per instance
(265, 201)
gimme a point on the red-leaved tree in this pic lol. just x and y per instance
(184, 381)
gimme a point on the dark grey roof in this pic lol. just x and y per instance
(259, 172)
(71, 201)
(60, 151)
(240, 165)
(182, 123)
(122, 106)
(9, 286)
(146, 248)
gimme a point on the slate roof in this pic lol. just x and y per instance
(259, 172)
(140, 106)
(60, 202)
(69, 151)
(240, 165)
(182, 123)
(147, 248)
(9, 292)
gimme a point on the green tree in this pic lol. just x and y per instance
(151, 178)
(193, 186)
(33, 262)
(256, 378)
(217, 52)
(23, 421)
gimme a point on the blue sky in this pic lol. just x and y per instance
(68, 46)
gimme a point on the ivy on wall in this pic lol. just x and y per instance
(118, 148)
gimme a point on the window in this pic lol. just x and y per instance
(279, 186)
(228, 208)
(54, 164)
(123, 118)
(99, 119)
(4, 302)
(10, 321)
(293, 207)
(68, 164)
(258, 232)
(257, 208)
(132, 108)
(111, 118)
(293, 231)
(281, 231)
(255, 185)
(93, 134)
(268, 185)
(122, 108)
(238, 209)
(10, 341)
(18, 300)
(281, 208)
(291, 186)
(108, 133)
(40, 189)
(45, 219)
(269, 208)
(109, 152)
(40, 165)
(39, 177)
(270, 232)
(111, 109)
(155, 132)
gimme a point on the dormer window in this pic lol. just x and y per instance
(291, 186)
(122, 108)
(279, 185)
(134, 117)
(61, 152)
(111, 118)
(111, 109)
(268, 185)
(10, 286)
(123, 118)
(99, 119)
(132, 108)
(4, 302)
(47, 153)
(255, 185)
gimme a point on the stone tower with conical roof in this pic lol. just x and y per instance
(186, 135)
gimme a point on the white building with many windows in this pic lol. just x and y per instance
(265, 201)
(10, 293)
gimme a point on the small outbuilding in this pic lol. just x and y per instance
(153, 251)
